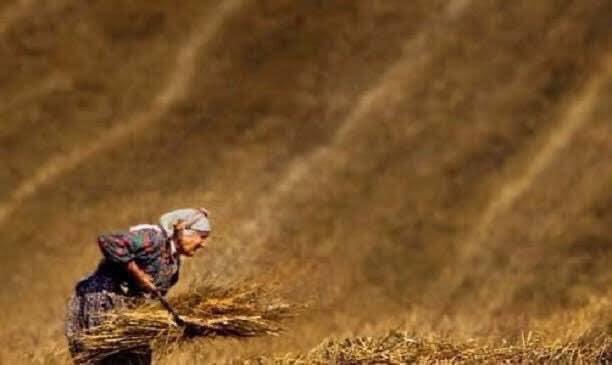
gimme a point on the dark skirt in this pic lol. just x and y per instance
(93, 296)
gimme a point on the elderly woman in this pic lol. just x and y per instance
(142, 261)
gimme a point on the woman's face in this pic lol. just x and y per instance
(191, 242)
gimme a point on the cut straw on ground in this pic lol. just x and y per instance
(401, 348)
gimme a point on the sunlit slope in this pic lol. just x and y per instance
(71, 71)
(403, 189)
(562, 194)
(404, 164)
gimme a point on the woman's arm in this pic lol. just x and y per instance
(123, 248)
(142, 278)
(118, 247)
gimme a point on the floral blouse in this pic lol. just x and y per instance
(149, 247)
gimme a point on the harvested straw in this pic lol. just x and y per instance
(401, 348)
(210, 311)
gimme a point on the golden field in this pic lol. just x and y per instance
(442, 168)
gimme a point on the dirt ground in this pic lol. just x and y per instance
(443, 167)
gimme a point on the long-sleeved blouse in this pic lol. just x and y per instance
(149, 247)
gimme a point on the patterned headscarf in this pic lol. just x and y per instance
(197, 220)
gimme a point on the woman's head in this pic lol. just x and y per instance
(189, 228)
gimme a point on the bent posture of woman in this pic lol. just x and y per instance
(145, 259)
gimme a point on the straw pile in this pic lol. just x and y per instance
(210, 311)
(400, 348)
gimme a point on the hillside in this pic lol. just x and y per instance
(439, 167)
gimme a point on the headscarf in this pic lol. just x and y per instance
(197, 220)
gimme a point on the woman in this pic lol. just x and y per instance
(143, 261)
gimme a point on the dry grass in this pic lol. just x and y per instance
(402, 348)
(209, 311)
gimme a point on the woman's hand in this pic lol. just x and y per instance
(144, 280)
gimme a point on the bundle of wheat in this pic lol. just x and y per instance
(209, 311)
